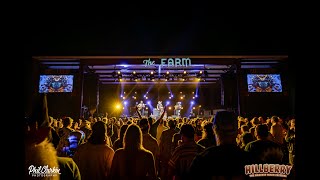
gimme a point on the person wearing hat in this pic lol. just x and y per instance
(40, 152)
(225, 159)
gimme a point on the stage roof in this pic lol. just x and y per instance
(133, 69)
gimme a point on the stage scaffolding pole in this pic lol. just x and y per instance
(81, 93)
(98, 94)
(238, 75)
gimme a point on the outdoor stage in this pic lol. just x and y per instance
(116, 84)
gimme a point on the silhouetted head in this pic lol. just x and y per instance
(262, 131)
(274, 119)
(172, 124)
(123, 130)
(225, 120)
(187, 131)
(132, 138)
(225, 127)
(144, 125)
(208, 129)
(99, 133)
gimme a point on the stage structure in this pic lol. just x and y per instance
(96, 76)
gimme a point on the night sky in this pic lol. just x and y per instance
(202, 30)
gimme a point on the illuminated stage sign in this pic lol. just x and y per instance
(176, 62)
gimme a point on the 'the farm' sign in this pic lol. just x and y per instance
(169, 62)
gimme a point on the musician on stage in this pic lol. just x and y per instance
(177, 109)
(141, 106)
(160, 107)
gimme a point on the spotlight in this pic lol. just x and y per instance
(118, 106)
(167, 76)
(184, 76)
(125, 102)
(168, 102)
(149, 102)
(192, 102)
(134, 75)
(169, 107)
(199, 75)
(152, 76)
(117, 75)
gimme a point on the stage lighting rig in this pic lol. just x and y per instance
(167, 76)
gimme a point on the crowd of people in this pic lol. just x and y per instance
(174, 148)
